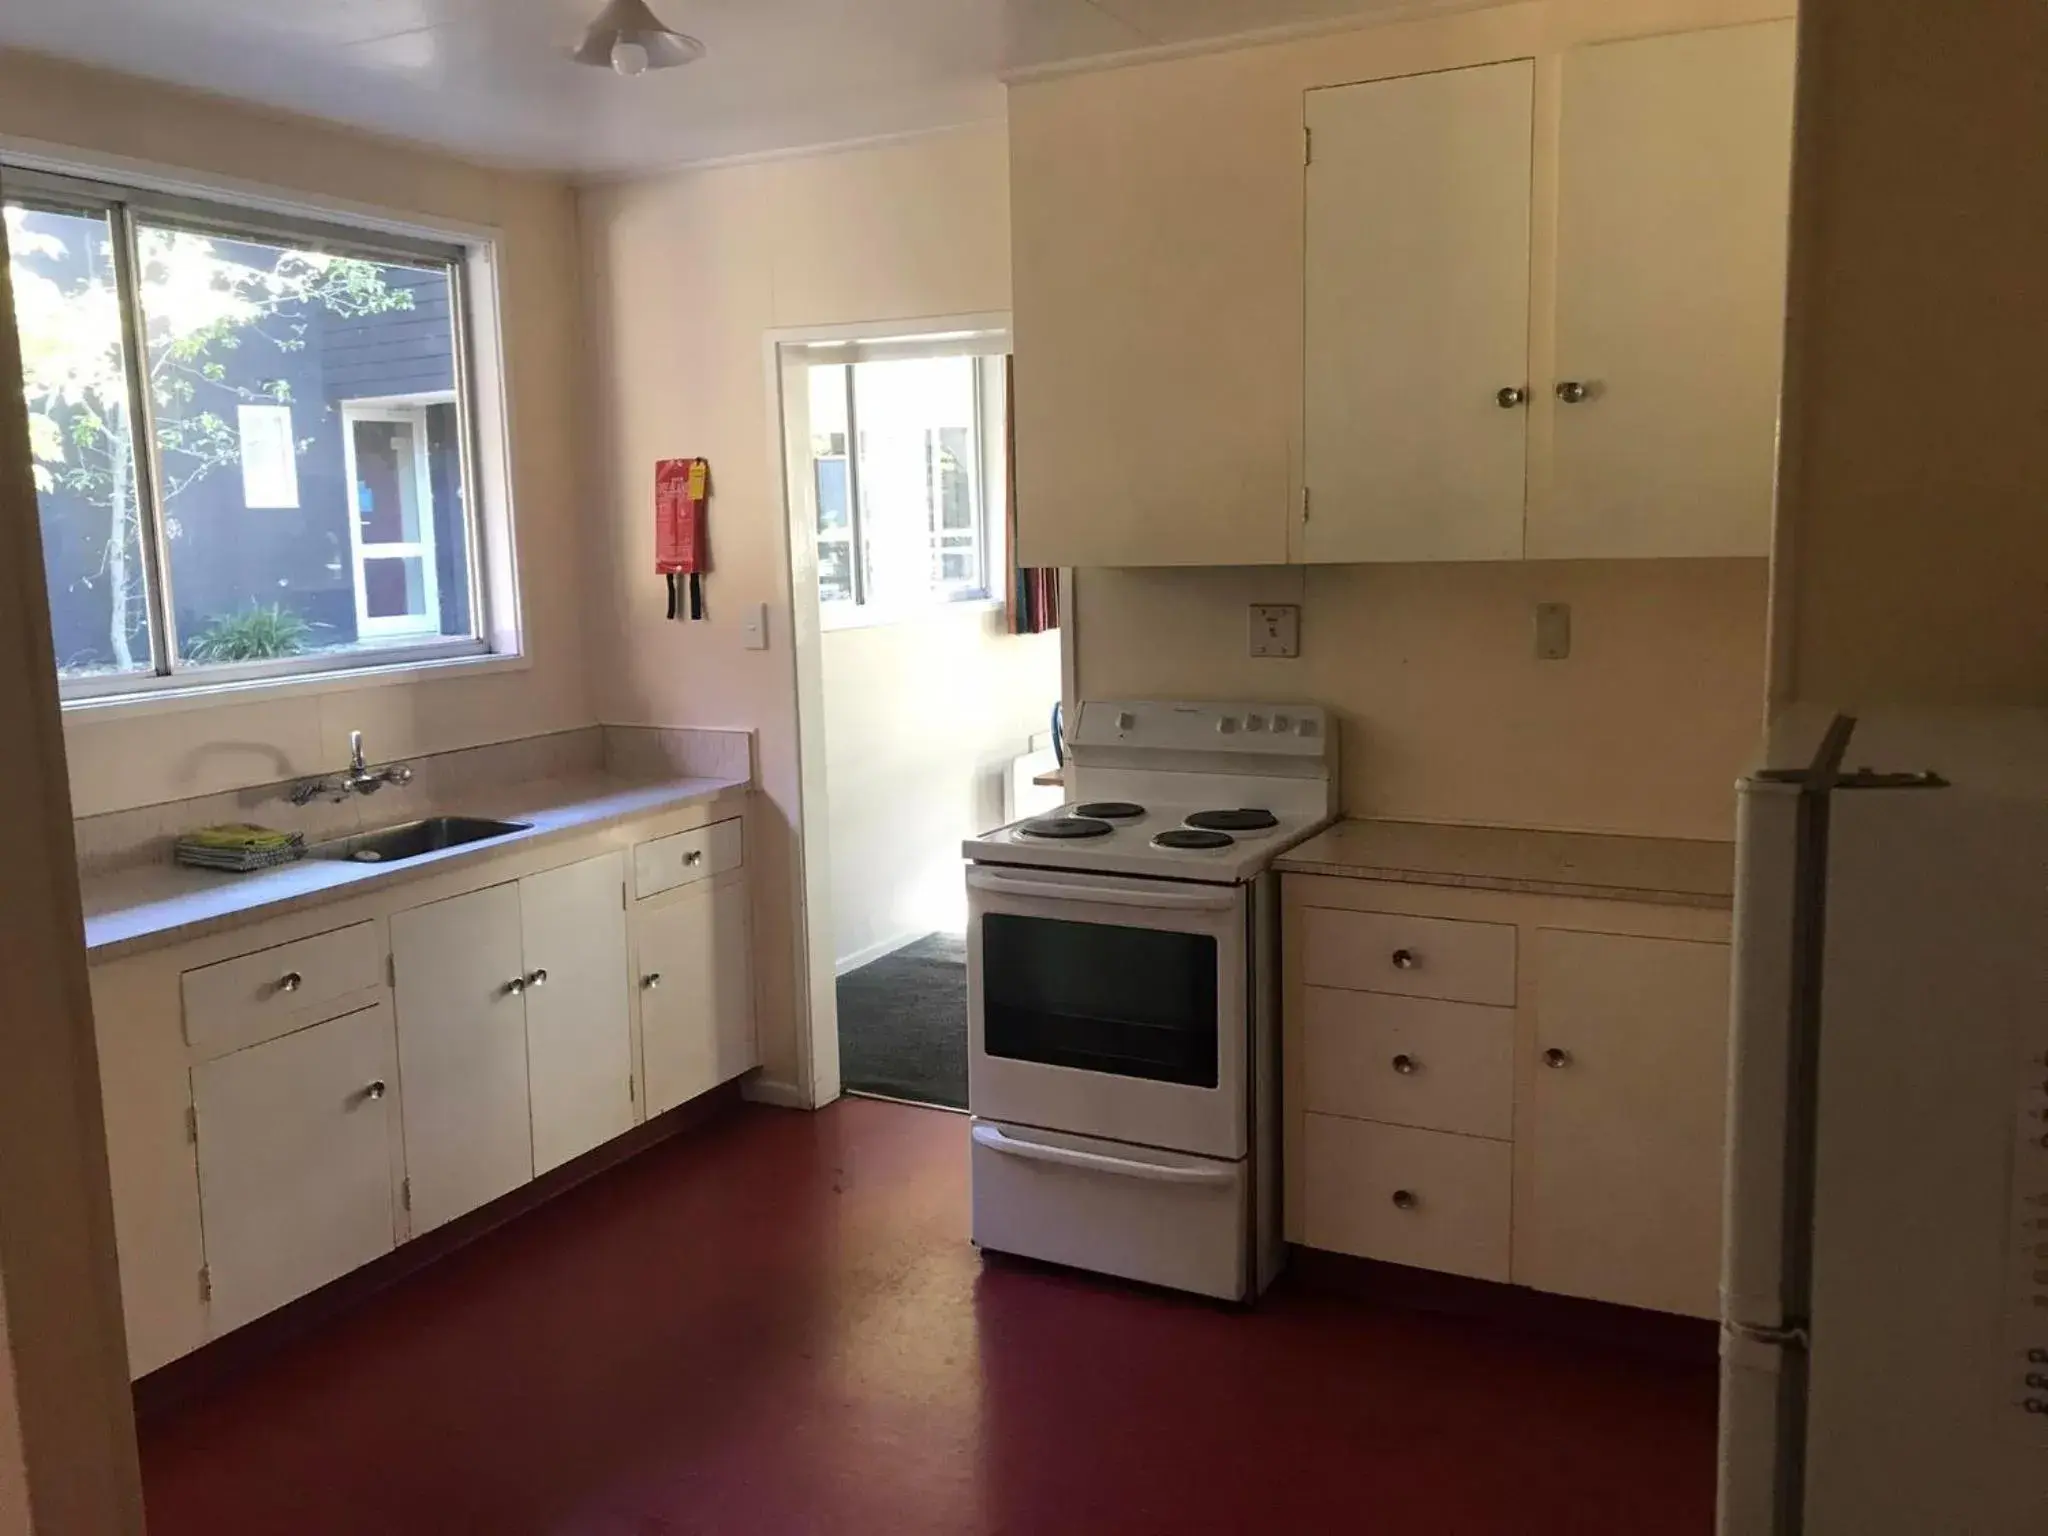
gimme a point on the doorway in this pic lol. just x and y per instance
(935, 676)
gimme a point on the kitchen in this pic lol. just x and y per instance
(1176, 494)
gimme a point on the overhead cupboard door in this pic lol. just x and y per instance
(1417, 316)
(1674, 166)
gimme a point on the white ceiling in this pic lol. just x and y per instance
(490, 78)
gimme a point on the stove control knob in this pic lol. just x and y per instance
(1255, 722)
(1126, 721)
(1282, 725)
(1227, 725)
(1306, 726)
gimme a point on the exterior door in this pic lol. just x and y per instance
(391, 529)
(1628, 1107)
(296, 1144)
(696, 991)
(1417, 317)
(1674, 169)
(579, 1038)
(461, 986)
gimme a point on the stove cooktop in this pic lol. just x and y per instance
(1203, 843)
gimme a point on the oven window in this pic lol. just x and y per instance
(1130, 1001)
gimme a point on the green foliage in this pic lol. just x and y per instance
(256, 633)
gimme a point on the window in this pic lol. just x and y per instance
(905, 483)
(251, 439)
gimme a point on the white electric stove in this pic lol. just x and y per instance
(1123, 995)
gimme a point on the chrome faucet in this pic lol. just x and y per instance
(360, 779)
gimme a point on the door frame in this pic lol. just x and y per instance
(411, 411)
(815, 1000)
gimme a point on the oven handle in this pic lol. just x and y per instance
(992, 1137)
(1164, 899)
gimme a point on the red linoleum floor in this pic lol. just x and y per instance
(776, 1324)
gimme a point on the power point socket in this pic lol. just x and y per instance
(1553, 631)
(1276, 629)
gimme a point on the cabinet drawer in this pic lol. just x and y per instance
(1409, 1061)
(254, 997)
(1414, 956)
(667, 862)
(1426, 1198)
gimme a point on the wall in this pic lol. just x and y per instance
(922, 720)
(121, 760)
(684, 274)
(1913, 505)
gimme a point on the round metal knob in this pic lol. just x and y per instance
(651, 980)
(1405, 1064)
(1554, 1058)
(1507, 399)
(375, 1090)
(1404, 1199)
(694, 857)
(538, 979)
(291, 981)
(516, 985)
(1572, 391)
(1406, 959)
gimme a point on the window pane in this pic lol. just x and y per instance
(835, 571)
(67, 310)
(309, 448)
(918, 475)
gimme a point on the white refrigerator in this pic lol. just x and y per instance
(1885, 1270)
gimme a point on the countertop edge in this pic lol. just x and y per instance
(684, 794)
(1512, 885)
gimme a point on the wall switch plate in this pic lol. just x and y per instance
(1553, 631)
(754, 627)
(1276, 629)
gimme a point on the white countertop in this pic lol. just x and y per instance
(1662, 871)
(157, 904)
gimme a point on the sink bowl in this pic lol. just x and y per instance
(412, 839)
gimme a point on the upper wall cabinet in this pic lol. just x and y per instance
(1416, 352)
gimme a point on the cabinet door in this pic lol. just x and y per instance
(1623, 1137)
(296, 1165)
(1675, 165)
(579, 1035)
(1417, 317)
(696, 992)
(1156, 273)
(462, 1052)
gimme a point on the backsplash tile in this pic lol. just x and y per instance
(653, 752)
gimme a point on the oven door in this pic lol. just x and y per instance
(1109, 1007)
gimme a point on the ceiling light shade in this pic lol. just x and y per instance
(629, 38)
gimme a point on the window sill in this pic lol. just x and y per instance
(833, 616)
(264, 690)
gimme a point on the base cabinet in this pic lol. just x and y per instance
(1570, 1142)
(297, 1183)
(1625, 1121)
(579, 1030)
(695, 990)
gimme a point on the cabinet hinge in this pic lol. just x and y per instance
(192, 1124)
(1308, 145)
(632, 1088)
(391, 968)
(1304, 503)
(405, 1193)
(622, 895)
(205, 1283)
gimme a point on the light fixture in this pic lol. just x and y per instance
(630, 38)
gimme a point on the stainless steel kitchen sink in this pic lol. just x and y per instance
(412, 839)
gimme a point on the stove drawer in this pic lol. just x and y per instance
(1164, 1218)
(1438, 957)
(1426, 1198)
(1409, 1061)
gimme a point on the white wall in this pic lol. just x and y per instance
(922, 719)
(685, 274)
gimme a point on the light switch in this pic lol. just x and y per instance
(1553, 631)
(754, 627)
(1276, 629)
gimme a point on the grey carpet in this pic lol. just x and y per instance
(903, 1023)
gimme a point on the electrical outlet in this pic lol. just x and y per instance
(1553, 631)
(1276, 629)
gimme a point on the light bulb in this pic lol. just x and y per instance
(629, 58)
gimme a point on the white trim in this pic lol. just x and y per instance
(175, 700)
(1257, 37)
(770, 1090)
(874, 952)
(423, 549)
(625, 176)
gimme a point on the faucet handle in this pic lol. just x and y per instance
(355, 751)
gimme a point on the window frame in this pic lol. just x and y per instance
(989, 491)
(127, 201)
